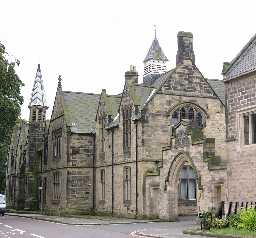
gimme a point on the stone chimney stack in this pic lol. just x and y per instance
(185, 53)
(131, 76)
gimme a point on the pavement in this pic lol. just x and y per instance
(81, 220)
(40, 226)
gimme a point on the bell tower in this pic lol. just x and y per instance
(154, 62)
(36, 139)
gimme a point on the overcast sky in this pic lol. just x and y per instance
(91, 43)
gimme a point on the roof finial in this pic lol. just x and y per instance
(59, 83)
(155, 30)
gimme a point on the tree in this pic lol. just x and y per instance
(10, 103)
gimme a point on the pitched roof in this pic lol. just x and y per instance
(244, 62)
(155, 52)
(218, 87)
(80, 110)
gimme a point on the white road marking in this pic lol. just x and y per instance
(36, 236)
(8, 226)
(20, 231)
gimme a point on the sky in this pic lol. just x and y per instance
(92, 43)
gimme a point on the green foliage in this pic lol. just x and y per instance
(206, 220)
(219, 223)
(10, 102)
(234, 220)
(247, 219)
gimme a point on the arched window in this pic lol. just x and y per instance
(187, 183)
(193, 114)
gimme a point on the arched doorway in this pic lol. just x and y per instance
(181, 186)
(187, 190)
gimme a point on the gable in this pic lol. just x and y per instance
(57, 107)
(187, 80)
(244, 63)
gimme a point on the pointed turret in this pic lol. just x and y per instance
(37, 103)
(154, 62)
(38, 94)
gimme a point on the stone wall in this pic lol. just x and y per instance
(241, 100)
(241, 95)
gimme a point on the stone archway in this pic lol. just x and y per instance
(173, 187)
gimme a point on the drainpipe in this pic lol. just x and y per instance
(113, 194)
(136, 157)
(94, 175)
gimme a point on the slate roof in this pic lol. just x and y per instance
(218, 87)
(249, 44)
(80, 110)
(143, 93)
(155, 52)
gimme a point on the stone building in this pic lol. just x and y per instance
(171, 145)
(160, 150)
(15, 174)
(68, 168)
(240, 90)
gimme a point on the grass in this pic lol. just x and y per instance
(233, 232)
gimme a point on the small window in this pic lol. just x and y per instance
(102, 181)
(56, 186)
(246, 130)
(127, 185)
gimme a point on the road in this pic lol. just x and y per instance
(17, 227)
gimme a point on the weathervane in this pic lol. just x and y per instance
(155, 30)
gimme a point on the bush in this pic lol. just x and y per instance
(234, 220)
(247, 219)
(219, 223)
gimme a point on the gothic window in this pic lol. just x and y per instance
(102, 181)
(56, 138)
(190, 113)
(250, 129)
(56, 186)
(187, 183)
(126, 130)
(127, 185)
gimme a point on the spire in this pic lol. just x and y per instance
(38, 94)
(59, 89)
(155, 52)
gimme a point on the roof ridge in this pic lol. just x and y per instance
(96, 94)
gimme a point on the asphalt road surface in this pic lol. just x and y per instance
(14, 227)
